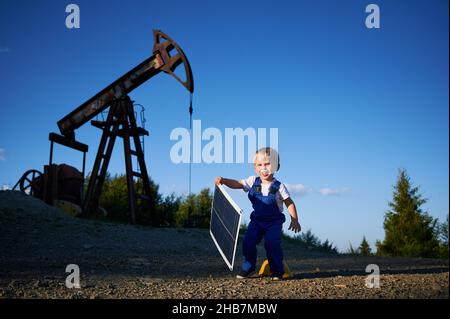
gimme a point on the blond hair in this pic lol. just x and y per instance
(268, 154)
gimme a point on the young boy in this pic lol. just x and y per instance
(267, 196)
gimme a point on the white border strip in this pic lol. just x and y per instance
(239, 211)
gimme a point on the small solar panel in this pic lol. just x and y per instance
(224, 226)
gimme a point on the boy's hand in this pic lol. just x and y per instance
(218, 180)
(231, 183)
(295, 226)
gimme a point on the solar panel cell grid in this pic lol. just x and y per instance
(225, 222)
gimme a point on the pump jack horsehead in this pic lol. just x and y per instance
(63, 183)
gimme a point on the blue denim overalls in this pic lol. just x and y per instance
(266, 220)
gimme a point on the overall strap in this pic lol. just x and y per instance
(274, 187)
(257, 185)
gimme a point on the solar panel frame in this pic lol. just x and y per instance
(223, 224)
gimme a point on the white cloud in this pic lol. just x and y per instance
(333, 191)
(302, 190)
(298, 189)
(2, 154)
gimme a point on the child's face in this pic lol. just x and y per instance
(263, 167)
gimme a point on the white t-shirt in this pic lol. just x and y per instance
(280, 195)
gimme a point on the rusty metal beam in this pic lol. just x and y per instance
(161, 60)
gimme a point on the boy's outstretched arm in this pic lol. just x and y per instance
(231, 183)
(295, 225)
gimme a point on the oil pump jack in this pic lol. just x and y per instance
(63, 182)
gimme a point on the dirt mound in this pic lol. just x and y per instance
(17, 204)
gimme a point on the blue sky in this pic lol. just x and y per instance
(352, 105)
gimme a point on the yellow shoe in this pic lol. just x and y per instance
(264, 271)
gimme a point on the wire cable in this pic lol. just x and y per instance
(190, 142)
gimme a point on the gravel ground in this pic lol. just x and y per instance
(124, 261)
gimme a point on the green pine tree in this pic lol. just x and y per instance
(443, 239)
(364, 248)
(167, 208)
(114, 199)
(443, 232)
(352, 251)
(204, 202)
(409, 231)
(186, 208)
(195, 210)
